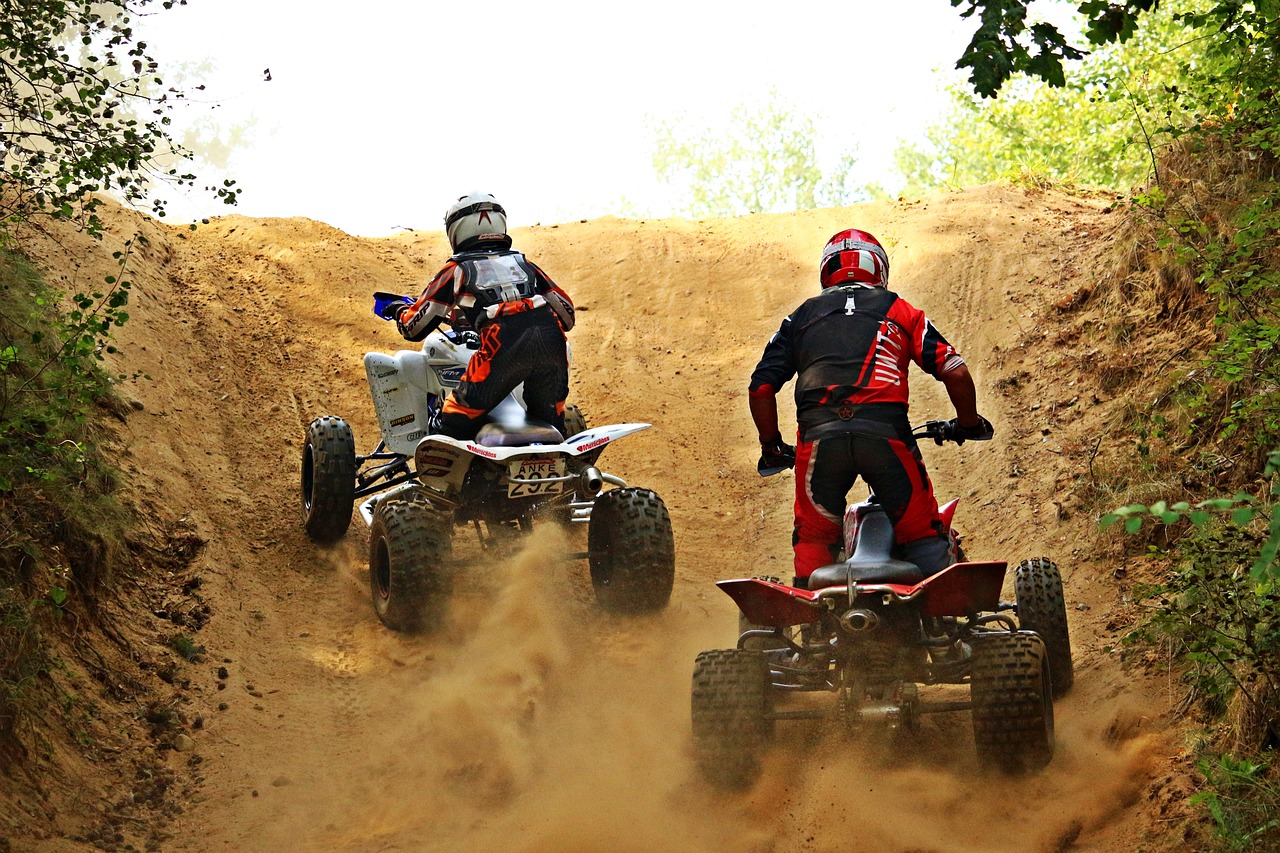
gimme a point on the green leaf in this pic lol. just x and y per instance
(1243, 515)
(1133, 524)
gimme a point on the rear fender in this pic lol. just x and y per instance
(597, 437)
(772, 604)
(962, 589)
(577, 445)
(442, 464)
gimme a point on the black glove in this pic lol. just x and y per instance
(982, 432)
(775, 457)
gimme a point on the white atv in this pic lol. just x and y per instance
(416, 486)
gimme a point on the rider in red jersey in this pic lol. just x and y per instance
(849, 348)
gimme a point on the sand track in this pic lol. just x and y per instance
(537, 723)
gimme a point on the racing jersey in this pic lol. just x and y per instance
(849, 348)
(485, 285)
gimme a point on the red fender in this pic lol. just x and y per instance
(774, 605)
(963, 589)
(948, 512)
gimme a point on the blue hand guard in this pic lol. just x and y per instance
(388, 305)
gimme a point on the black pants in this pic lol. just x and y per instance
(528, 347)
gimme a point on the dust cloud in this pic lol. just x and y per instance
(537, 723)
(533, 722)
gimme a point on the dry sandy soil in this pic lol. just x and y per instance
(538, 722)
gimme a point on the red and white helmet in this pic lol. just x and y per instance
(476, 217)
(854, 256)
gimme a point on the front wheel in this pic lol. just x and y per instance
(731, 709)
(632, 551)
(1012, 702)
(1042, 608)
(328, 479)
(410, 571)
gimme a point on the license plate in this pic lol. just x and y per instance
(539, 470)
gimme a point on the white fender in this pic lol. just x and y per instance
(576, 445)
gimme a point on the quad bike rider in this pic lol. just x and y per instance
(519, 313)
(901, 607)
(475, 431)
(849, 348)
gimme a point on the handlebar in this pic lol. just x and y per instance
(939, 431)
(386, 305)
(944, 431)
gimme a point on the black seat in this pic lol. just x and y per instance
(532, 432)
(872, 560)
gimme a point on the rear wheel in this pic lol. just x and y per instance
(731, 709)
(632, 551)
(1012, 702)
(328, 479)
(1042, 608)
(574, 421)
(410, 571)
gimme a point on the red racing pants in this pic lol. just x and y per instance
(894, 471)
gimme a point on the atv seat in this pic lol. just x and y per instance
(533, 432)
(871, 561)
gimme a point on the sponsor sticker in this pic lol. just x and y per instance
(590, 444)
(450, 376)
(482, 451)
(407, 419)
(427, 459)
(385, 374)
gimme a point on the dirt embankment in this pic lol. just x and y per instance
(539, 723)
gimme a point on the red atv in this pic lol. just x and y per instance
(872, 630)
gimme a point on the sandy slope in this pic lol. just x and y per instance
(538, 723)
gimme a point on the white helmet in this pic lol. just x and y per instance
(474, 218)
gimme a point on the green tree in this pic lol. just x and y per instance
(1095, 128)
(83, 110)
(763, 160)
(1005, 44)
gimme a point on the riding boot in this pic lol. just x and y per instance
(932, 554)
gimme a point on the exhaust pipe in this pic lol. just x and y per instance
(592, 480)
(855, 621)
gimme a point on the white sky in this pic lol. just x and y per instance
(380, 114)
